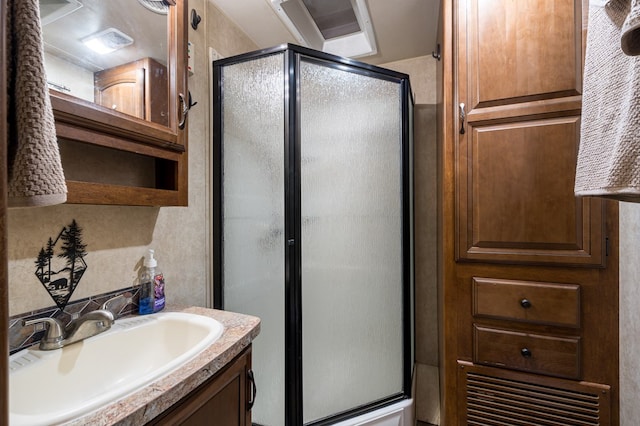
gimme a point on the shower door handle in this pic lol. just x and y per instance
(254, 390)
(463, 117)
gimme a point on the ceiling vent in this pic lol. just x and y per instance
(158, 6)
(52, 10)
(340, 27)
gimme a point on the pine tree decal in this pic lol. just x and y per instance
(73, 250)
(41, 263)
(49, 254)
(60, 280)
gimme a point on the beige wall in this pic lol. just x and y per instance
(422, 72)
(117, 238)
(423, 83)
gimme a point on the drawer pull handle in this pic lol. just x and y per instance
(254, 390)
(525, 303)
(525, 352)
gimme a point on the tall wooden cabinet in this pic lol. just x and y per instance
(530, 271)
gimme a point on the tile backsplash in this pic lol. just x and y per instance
(21, 337)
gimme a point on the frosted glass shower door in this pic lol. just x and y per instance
(312, 198)
(253, 214)
(352, 235)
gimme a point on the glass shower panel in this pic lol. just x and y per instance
(351, 202)
(253, 215)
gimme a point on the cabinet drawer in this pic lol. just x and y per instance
(541, 303)
(550, 355)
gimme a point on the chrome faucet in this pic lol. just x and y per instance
(56, 336)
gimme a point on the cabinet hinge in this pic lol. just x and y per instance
(606, 246)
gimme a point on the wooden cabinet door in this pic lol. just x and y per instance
(223, 400)
(519, 78)
(122, 89)
(521, 51)
(139, 88)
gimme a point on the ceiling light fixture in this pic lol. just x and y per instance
(107, 41)
(341, 27)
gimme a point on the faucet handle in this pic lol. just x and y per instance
(100, 315)
(54, 332)
(120, 301)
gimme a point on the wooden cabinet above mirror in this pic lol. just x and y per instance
(120, 116)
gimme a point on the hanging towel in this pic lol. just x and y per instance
(630, 41)
(35, 175)
(609, 155)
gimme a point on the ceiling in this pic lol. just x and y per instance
(62, 36)
(403, 28)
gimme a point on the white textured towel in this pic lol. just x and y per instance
(609, 155)
(35, 174)
(630, 41)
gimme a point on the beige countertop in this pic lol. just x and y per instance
(142, 406)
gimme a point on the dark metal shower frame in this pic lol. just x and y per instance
(293, 55)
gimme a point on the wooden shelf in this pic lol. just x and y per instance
(98, 193)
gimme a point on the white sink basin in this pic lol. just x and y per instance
(49, 387)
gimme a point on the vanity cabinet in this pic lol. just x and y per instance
(128, 145)
(530, 271)
(223, 400)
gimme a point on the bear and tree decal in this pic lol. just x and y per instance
(60, 264)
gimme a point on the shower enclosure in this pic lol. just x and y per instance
(312, 229)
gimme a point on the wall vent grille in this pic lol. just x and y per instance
(518, 401)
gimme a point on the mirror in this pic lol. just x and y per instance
(113, 53)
